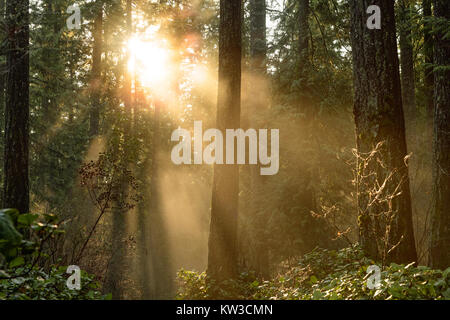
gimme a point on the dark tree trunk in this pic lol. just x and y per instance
(258, 43)
(256, 104)
(113, 279)
(314, 232)
(407, 62)
(303, 45)
(428, 52)
(162, 279)
(96, 72)
(440, 233)
(222, 255)
(379, 118)
(16, 154)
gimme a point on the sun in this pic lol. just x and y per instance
(150, 62)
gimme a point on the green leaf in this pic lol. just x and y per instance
(18, 261)
(8, 232)
(27, 218)
(446, 294)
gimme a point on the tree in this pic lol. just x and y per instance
(96, 70)
(379, 118)
(258, 42)
(223, 254)
(428, 52)
(16, 154)
(407, 60)
(257, 104)
(117, 264)
(440, 231)
(303, 46)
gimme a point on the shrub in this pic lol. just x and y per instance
(23, 255)
(329, 275)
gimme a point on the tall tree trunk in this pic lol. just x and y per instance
(428, 52)
(379, 117)
(113, 281)
(96, 72)
(162, 276)
(258, 43)
(257, 104)
(440, 232)
(222, 255)
(314, 232)
(3, 68)
(407, 61)
(303, 45)
(16, 154)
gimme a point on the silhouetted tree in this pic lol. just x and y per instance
(16, 154)
(440, 232)
(222, 255)
(96, 70)
(379, 117)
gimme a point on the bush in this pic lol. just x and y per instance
(325, 274)
(51, 285)
(22, 255)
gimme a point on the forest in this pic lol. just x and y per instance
(225, 150)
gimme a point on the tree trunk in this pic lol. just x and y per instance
(440, 234)
(16, 154)
(379, 117)
(257, 104)
(258, 43)
(428, 52)
(117, 264)
(407, 62)
(222, 255)
(2, 87)
(303, 47)
(96, 72)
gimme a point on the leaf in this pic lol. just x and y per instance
(3, 274)
(317, 295)
(446, 272)
(27, 218)
(313, 279)
(18, 261)
(446, 294)
(7, 231)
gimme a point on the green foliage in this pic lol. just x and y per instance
(326, 275)
(9, 237)
(51, 285)
(23, 257)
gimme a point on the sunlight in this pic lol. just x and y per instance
(150, 62)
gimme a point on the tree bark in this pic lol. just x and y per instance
(428, 52)
(256, 104)
(223, 254)
(113, 281)
(303, 46)
(440, 231)
(258, 43)
(379, 117)
(16, 153)
(96, 72)
(407, 61)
